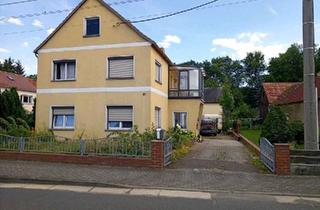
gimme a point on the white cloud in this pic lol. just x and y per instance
(50, 30)
(2, 50)
(249, 42)
(37, 23)
(272, 11)
(25, 44)
(168, 40)
(15, 21)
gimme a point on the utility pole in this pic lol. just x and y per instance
(311, 136)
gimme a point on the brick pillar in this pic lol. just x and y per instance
(282, 159)
(157, 153)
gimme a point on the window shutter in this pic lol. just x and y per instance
(63, 111)
(120, 114)
(121, 67)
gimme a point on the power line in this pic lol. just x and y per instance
(52, 12)
(16, 2)
(172, 14)
(207, 7)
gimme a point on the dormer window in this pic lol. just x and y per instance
(92, 26)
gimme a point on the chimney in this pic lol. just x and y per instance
(163, 50)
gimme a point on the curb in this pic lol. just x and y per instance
(114, 185)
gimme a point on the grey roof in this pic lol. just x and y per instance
(212, 95)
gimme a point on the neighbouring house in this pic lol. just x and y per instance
(211, 101)
(98, 73)
(25, 87)
(288, 95)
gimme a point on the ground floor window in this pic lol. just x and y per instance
(119, 117)
(157, 113)
(62, 117)
(180, 118)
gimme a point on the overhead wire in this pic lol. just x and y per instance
(16, 2)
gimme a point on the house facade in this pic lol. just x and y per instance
(97, 73)
(26, 88)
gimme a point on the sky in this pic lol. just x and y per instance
(226, 28)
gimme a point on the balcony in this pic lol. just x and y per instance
(185, 82)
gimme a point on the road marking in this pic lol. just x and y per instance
(185, 194)
(286, 199)
(311, 199)
(38, 186)
(71, 188)
(146, 192)
(104, 190)
(11, 185)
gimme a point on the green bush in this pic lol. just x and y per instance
(297, 131)
(14, 127)
(180, 137)
(276, 127)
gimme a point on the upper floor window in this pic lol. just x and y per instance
(64, 70)
(26, 99)
(92, 26)
(62, 117)
(158, 72)
(121, 67)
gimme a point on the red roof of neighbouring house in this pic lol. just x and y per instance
(9, 80)
(286, 93)
(274, 90)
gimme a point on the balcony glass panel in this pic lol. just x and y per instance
(194, 80)
(183, 80)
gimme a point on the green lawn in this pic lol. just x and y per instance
(252, 134)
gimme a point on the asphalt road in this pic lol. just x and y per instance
(13, 197)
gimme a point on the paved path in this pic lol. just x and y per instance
(221, 152)
(188, 179)
(34, 196)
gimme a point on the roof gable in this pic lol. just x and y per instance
(135, 35)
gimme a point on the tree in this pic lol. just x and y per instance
(254, 69)
(11, 105)
(276, 127)
(288, 67)
(227, 103)
(10, 65)
(33, 76)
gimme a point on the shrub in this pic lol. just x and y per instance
(297, 131)
(276, 127)
(180, 137)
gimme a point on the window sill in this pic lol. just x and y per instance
(66, 80)
(159, 82)
(121, 78)
(90, 36)
(118, 130)
(62, 129)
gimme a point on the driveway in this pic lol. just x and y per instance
(221, 152)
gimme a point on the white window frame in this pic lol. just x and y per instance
(118, 128)
(158, 75)
(30, 99)
(173, 119)
(85, 26)
(53, 72)
(119, 56)
(158, 109)
(51, 118)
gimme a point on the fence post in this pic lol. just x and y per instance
(157, 153)
(82, 147)
(21, 144)
(282, 159)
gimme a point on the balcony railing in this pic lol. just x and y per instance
(185, 93)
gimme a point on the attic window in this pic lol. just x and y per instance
(10, 78)
(92, 26)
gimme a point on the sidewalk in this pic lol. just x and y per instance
(187, 179)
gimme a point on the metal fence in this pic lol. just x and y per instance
(267, 154)
(167, 152)
(61, 145)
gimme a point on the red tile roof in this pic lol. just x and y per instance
(286, 93)
(8, 80)
(274, 90)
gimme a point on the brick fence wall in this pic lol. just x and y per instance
(155, 161)
(282, 159)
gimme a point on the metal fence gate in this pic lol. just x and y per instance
(267, 154)
(167, 151)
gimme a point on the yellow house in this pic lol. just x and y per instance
(98, 73)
